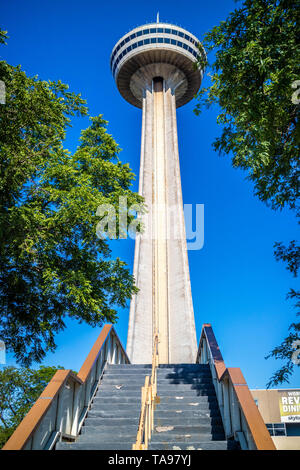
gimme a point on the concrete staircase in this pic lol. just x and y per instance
(188, 415)
(186, 418)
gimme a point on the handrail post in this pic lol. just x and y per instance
(149, 393)
(227, 419)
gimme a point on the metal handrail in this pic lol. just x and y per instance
(149, 394)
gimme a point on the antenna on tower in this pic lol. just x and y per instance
(157, 17)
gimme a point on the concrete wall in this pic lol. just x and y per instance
(268, 405)
(161, 264)
(287, 442)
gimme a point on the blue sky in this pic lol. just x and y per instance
(237, 285)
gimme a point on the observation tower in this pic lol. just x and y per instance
(154, 69)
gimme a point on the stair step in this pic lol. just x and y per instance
(185, 387)
(187, 410)
(174, 367)
(182, 402)
(162, 438)
(114, 392)
(117, 404)
(168, 378)
(94, 446)
(183, 373)
(168, 402)
(210, 445)
(185, 413)
(94, 432)
(188, 395)
(186, 429)
(130, 372)
(128, 366)
(171, 406)
(184, 366)
(161, 389)
(136, 382)
(108, 422)
(184, 381)
(110, 436)
(199, 445)
(115, 413)
(114, 384)
(113, 400)
(204, 419)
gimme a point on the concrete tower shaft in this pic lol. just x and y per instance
(157, 78)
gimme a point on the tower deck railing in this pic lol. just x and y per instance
(60, 410)
(148, 401)
(241, 418)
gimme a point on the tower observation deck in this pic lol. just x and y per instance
(154, 69)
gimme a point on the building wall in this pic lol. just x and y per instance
(286, 443)
(268, 402)
(268, 405)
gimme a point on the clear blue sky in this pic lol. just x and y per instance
(237, 285)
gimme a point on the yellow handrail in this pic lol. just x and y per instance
(149, 393)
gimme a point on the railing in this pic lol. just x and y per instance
(149, 394)
(240, 415)
(60, 410)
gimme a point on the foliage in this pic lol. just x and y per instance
(290, 255)
(3, 36)
(284, 352)
(253, 75)
(19, 389)
(52, 264)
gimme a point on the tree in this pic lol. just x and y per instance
(19, 389)
(289, 349)
(255, 71)
(52, 264)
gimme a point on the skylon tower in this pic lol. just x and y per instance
(154, 69)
